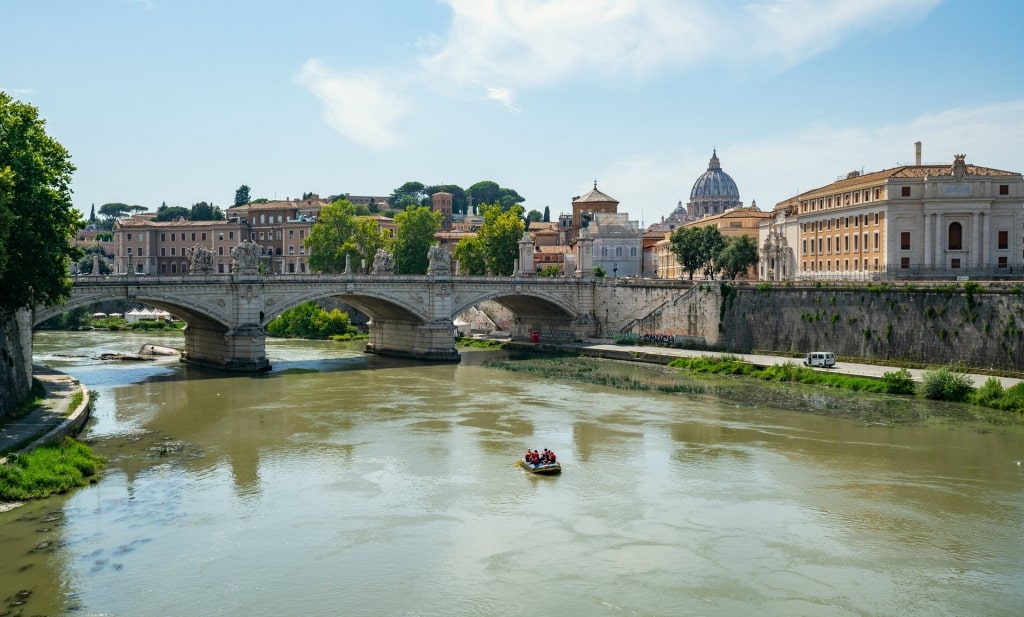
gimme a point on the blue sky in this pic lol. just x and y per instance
(181, 101)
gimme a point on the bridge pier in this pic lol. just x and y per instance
(241, 349)
(434, 341)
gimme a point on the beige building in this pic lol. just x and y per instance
(927, 221)
(741, 221)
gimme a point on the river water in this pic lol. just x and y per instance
(347, 484)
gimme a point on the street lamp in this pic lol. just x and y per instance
(615, 270)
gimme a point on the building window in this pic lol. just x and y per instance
(865, 220)
(174, 268)
(876, 264)
(876, 240)
(1004, 189)
(278, 234)
(231, 235)
(141, 252)
(291, 250)
(1004, 240)
(163, 252)
(955, 264)
(220, 235)
(193, 236)
(905, 191)
(172, 237)
(876, 218)
(252, 235)
(904, 240)
(129, 250)
(172, 251)
(956, 237)
(1002, 262)
(632, 251)
(878, 192)
(291, 234)
(220, 268)
(820, 244)
(220, 250)
(905, 263)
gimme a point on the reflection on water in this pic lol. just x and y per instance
(388, 487)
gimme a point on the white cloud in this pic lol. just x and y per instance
(503, 96)
(360, 106)
(529, 43)
(777, 167)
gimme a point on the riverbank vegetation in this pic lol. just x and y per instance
(50, 469)
(311, 321)
(480, 343)
(943, 384)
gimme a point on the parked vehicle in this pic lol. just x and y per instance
(824, 359)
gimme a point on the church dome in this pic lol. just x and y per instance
(714, 191)
(715, 183)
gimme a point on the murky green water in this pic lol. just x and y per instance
(343, 483)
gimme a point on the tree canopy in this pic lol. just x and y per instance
(117, 210)
(415, 228)
(409, 194)
(697, 248)
(488, 192)
(38, 221)
(203, 211)
(499, 237)
(171, 213)
(242, 195)
(340, 232)
(739, 254)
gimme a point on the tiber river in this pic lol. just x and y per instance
(347, 484)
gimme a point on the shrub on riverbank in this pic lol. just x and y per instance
(480, 343)
(50, 469)
(310, 321)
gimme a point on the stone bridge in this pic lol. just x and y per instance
(411, 316)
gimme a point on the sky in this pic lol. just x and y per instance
(181, 101)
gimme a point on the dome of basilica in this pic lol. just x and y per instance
(714, 191)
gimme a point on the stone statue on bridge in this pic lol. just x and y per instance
(200, 260)
(440, 261)
(246, 257)
(383, 262)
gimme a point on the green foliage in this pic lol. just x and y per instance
(945, 384)
(458, 195)
(415, 228)
(600, 272)
(171, 213)
(738, 256)
(117, 210)
(550, 270)
(487, 192)
(409, 194)
(534, 216)
(697, 247)
(242, 195)
(899, 382)
(338, 233)
(992, 394)
(37, 219)
(310, 321)
(51, 469)
(499, 237)
(879, 288)
(469, 252)
(764, 286)
(203, 211)
(480, 343)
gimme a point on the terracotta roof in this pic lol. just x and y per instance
(594, 196)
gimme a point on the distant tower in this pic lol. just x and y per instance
(442, 202)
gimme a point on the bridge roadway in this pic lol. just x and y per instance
(411, 316)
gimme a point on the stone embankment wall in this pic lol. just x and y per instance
(979, 326)
(15, 360)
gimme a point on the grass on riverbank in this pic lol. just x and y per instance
(51, 469)
(480, 343)
(899, 382)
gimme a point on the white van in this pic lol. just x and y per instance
(825, 359)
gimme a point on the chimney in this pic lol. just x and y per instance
(917, 153)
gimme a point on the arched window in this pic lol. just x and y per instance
(618, 251)
(956, 237)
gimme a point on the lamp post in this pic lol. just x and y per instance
(615, 270)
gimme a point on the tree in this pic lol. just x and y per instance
(85, 262)
(469, 252)
(92, 215)
(338, 233)
(499, 236)
(415, 228)
(696, 247)
(739, 254)
(37, 219)
(547, 214)
(242, 195)
(409, 194)
(488, 192)
(171, 213)
(534, 216)
(203, 211)
(118, 210)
